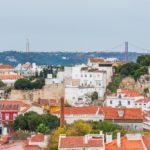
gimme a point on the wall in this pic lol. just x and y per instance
(47, 92)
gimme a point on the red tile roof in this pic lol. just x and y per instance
(125, 145)
(146, 140)
(37, 138)
(129, 93)
(11, 104)
(109, 112)
(128, 113)
(32, 147)
(145, 100)
(97, 60)
(3, 66)
(80, 110)
(9, 76)
(75, 142)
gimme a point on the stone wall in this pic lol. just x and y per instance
(139, 86)
(47, 92)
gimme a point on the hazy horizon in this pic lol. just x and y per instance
(80, 25)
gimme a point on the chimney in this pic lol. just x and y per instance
(118, 139)
(108, 138)
(5, 131)
(62, 112)
(86, 139)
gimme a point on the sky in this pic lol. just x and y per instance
(74, 25)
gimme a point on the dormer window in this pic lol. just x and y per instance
(119, 96)
(120, 113)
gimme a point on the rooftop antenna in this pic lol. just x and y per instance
(27, 46)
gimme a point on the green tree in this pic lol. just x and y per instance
(1, 83)
(114, 84)
(144, 60)
(94, 96)
(139, 72)
(31, 120)
(38, 84)
(127, 69)
(22, 84)
(41, 128)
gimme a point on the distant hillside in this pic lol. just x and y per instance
(57, 58)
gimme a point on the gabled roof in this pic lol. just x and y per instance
(129, 93)
(145, 100)
(79, 142)
(80, 110)
(146, 140)
(109, 112)
(97, 60)
(10, 76)
(125, 145)
(128, 113)
(11, 105)
(130, 144)
(3, 66)
(37, 138)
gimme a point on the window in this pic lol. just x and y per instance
(90, 75)
(0, 116)
(110, 102)
(119, 103)
(128, 102)
(85, 75)
(14, 116)
(6, 116)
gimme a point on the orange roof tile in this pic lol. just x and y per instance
(3, 66)
(145, 100)
(9, 76)
(129, 93)
(80, 110)
(32, 147)
(125, 145)
(37, 138)
(146, 140)
(96, 60)
(11, 104)
(128, 113)
(75, 142)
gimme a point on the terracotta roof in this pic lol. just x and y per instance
(125, 145)
(32, 147)
(51, 102)
(3, 66)
(146, 140)
(129, 93)
(75, 142)
(37, 138)
(128, 113)
(109, 112)
(28, 106)
(97, 60)
(80, 110)
(145, 100)
(9, 76)
(11, 104)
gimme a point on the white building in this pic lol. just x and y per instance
(8, 75)
(123, 98)
(90, 80)
(102, 64)
(143, 103)
(28, 69)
